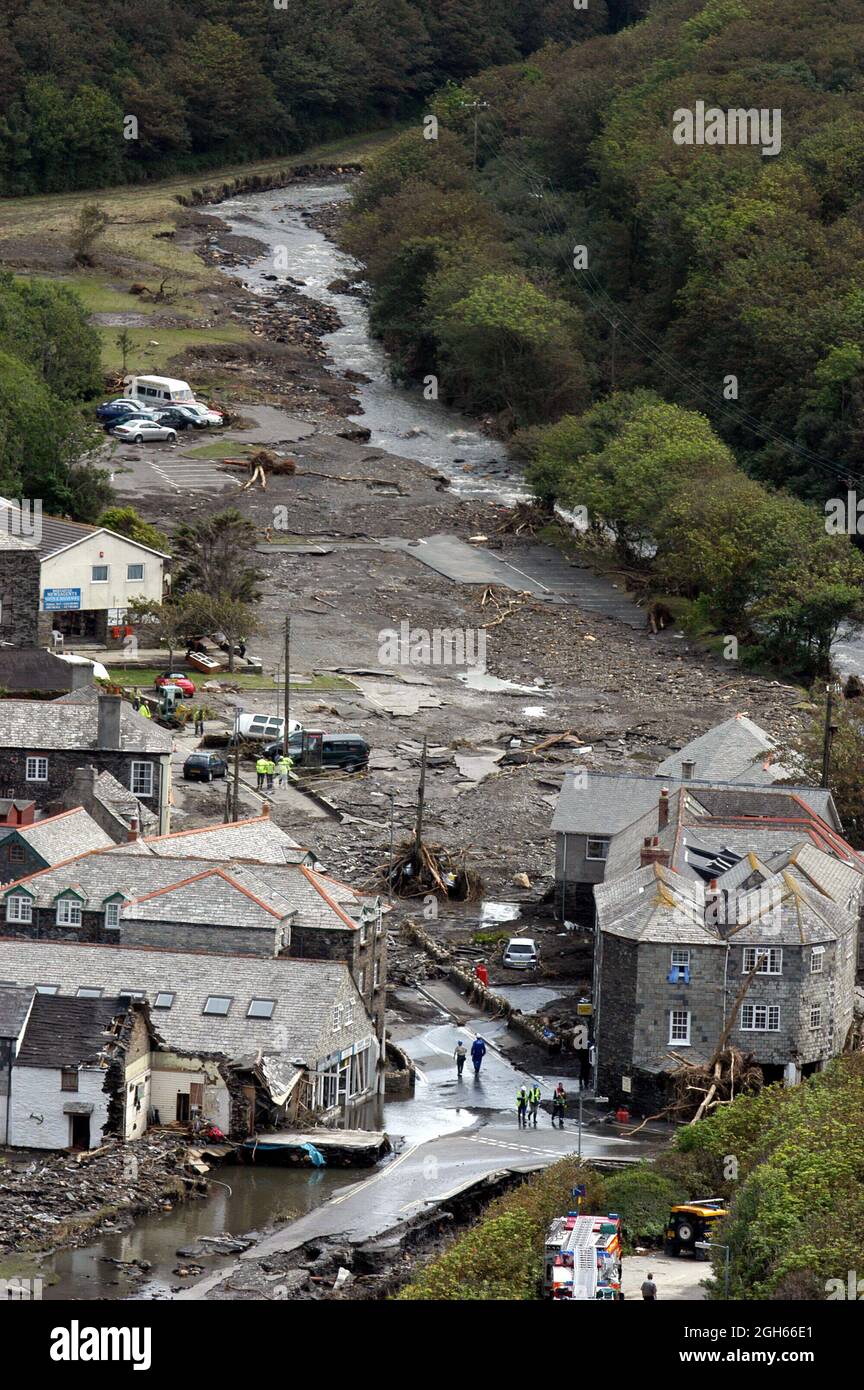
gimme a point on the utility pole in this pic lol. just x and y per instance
(287, 660)
(421, 795)
(392, 796)
(237, 713)
(828, 736)
(614, 342)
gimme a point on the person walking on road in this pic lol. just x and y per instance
(559, 1105)
(283, 767)
(478, 1052)
(261, 771)
(534, 1102)
(522, 1107)
(649, 1289)
(460, 1054)
(270, 769)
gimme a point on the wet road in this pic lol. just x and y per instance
(453, 1133)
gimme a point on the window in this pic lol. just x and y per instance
(770, 960)
(19, 908)
(681, 958)
(15, 854)
(760, 1018)
(817, 960)
(88, 992)
(36, 770)
(597, 847)
(261, 1008)
(364, 932)
(349, 1013)
(164, 999)
(679, 1026)
(376, 974)
(361, 980)
(337, 1017)
(68, 912)
(99, 574)
(142, 779)
(112, 915)
(218, 1004)
(815, 1015)
(134, 574)
(69, 1079)
(47, 989)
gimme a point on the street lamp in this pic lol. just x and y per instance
(717, 1245)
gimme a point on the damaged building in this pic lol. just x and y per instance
(245, 1042)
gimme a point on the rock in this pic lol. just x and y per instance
(359, 433)
(521, 881)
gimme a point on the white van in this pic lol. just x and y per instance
(157, 391)
(264, 726)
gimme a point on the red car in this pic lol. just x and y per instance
(178, 679)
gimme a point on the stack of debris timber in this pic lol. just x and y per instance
(419, 869)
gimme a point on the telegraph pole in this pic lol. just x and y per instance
(237, 713)
(827, 738)
(287, 661)
(421, 795)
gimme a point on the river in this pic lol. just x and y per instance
(401, 420)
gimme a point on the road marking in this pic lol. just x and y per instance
(370, 1182)
(520, 1148)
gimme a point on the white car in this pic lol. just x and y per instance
(521, 953)
(142, 427)
(209, 417)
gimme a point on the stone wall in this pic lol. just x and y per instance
(62, 765)
(21, 622)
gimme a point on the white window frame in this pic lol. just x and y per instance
(135, 578)
(36, 769)
(817, 960)
(68, 912)
(94, 568)
(752, 954)
(361, 980)
(337, 1018)
(19, 901)
(680, 960)
(761, 1017)
(364, 932)
(112, 909)
(815, 1022)
(675, 1037)
(89, 992)
(604, 840)
(150, 779)
(376, 974)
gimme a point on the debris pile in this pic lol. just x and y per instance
(419, 869)
(58, 1199)
(699, 1087)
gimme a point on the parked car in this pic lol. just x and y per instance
(203, 767)
(181, 417)
(346, 751)
(141, 427)
(521, 953)
(121, 405)
(209, 418)
(176, 678)
(124, 414)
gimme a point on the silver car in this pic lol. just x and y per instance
(521, 953)
(142, 427)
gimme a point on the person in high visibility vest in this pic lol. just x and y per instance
(283, 767)
(534, 1102)
(145, 711)
(270, 769)
(522, 1107)
(559, 1105)
(261, 771)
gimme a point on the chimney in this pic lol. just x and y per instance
(663, 811)
(652, 853)
(132, 834)
(688, 770)
(108, 722)
(715, 912)
(80, 676)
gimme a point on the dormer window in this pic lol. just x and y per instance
(68, 912)
(112, 916)
(19, 908)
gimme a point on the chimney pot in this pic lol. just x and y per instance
(132, 834)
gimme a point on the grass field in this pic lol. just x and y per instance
(139, 245)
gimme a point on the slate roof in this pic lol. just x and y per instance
(67, 1032)
(123, 803)
(735, 751)
(14, 1003)
(60, 837)
(59, 534)
(71, 723)
(237, 893)
(258, 838)
(305, 992)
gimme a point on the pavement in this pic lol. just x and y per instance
(677, 1278)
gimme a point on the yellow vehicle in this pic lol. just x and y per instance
(692, 1222)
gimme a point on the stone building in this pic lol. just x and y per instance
(723, 916)
(25, 849)
(44, 743)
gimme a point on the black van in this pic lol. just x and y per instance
(349, 752)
